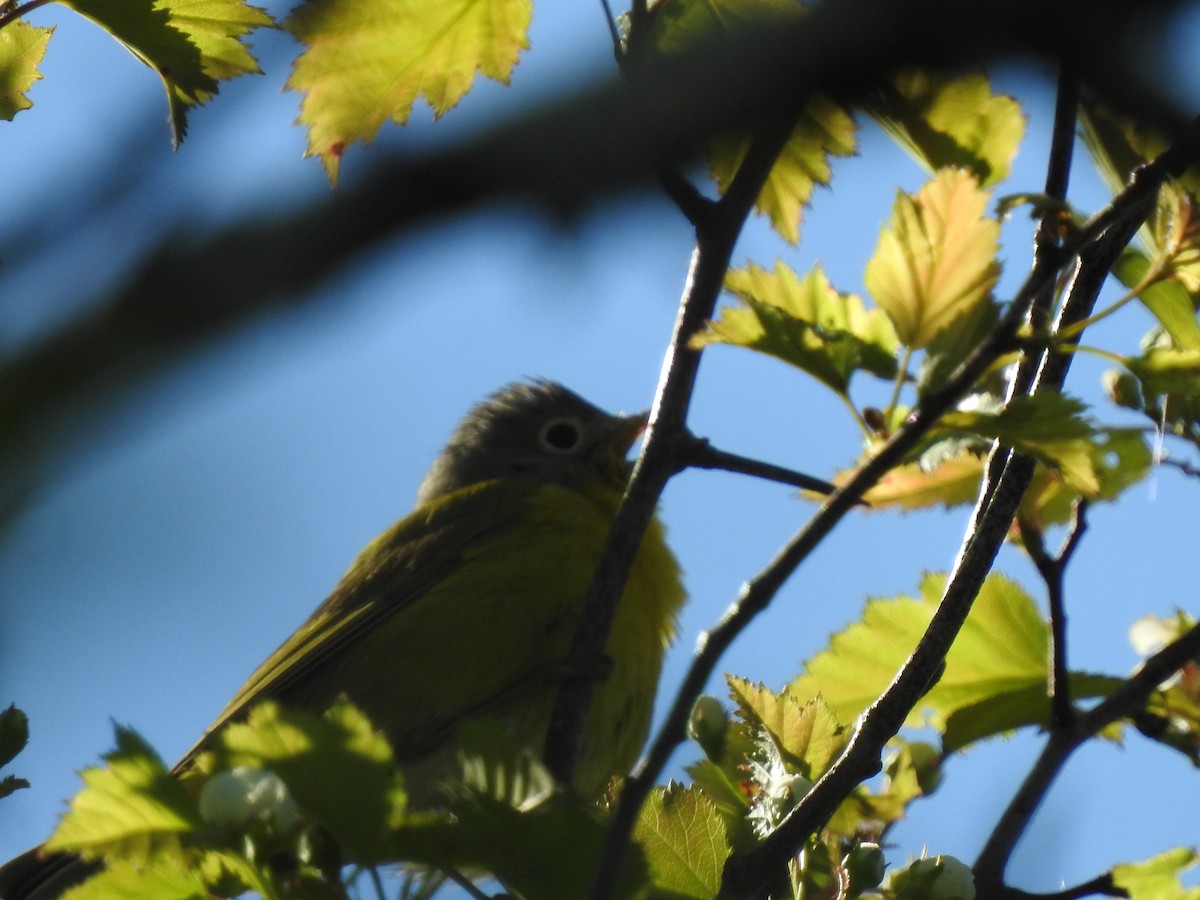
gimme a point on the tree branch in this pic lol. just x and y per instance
(1003, 486)
(700, 454)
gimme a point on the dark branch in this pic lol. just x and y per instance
(700, 454)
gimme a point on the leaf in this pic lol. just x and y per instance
(1120, 458)
(805, 730)
(191, 44)
(514, 846)
(824, 129)
(131, 807)
(997, 666)
(804, 322)
(1166, 298)
(14, 733)
(370, 60)
(937, 258)
(1165, 371)
(338, 768)
(954, 482)
(952, 123)
(122, 879)
(684, 840)
(1047, 426)
(22, 47)
(1157, 878)
(954, 344)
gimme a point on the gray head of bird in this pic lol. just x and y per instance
(538, 431)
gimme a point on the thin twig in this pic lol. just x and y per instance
(1052, 570)
(700, 454)
(613, 32)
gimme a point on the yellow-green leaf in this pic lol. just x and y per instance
(190, 44)
(1048, 426)
(683, 836)
(22, 47)
(1120, 458)
(369, 61)
(124, 880)
(1167, 298)
(952, 122)
(337, 767)
(955, 481)
(805, 322)
(132, 806)
(1157, 878)
(1165, 371)
(996, 671)
(936, 259)
(824, 129)
(806, 731)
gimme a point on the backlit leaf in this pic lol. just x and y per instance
(22, 47)
(823, 129)
(936, 259)
(952, 122)
(1047, 426)
(805, 322)
(1157, 878)
(806, 731)
(1166, 298)
(190, 44)
(370, 60)
(132, 806)
(337, 767)
(996, 671)
(683, 836)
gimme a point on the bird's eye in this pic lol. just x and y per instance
(561, 435)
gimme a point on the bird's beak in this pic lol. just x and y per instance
(627, 430)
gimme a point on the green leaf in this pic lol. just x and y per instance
(22, 47)
(805, 322)
(1048, 426)
(937, 258)
(955, 123)
(124, 880)
(1120, 458)
(1167, 298)
(497, 765)
(370, 60)
(954, 344)
(1164, 371)
(338, 768)
(804, 728)
(190, 44)
(131, 807)
(824, 129)
(1157, 878)
(684, 840)
(997, 666)
(14, 733)
(911, 486)
(486, 834)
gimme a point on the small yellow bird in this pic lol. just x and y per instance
(466, 608)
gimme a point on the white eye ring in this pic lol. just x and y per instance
(562, 435)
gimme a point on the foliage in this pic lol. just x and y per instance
(289, 803)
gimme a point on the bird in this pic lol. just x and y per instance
(466, 608)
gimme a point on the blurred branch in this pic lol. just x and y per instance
(561, 159)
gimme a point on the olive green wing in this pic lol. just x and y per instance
(390, 575)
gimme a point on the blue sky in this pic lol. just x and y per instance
(147, 579)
